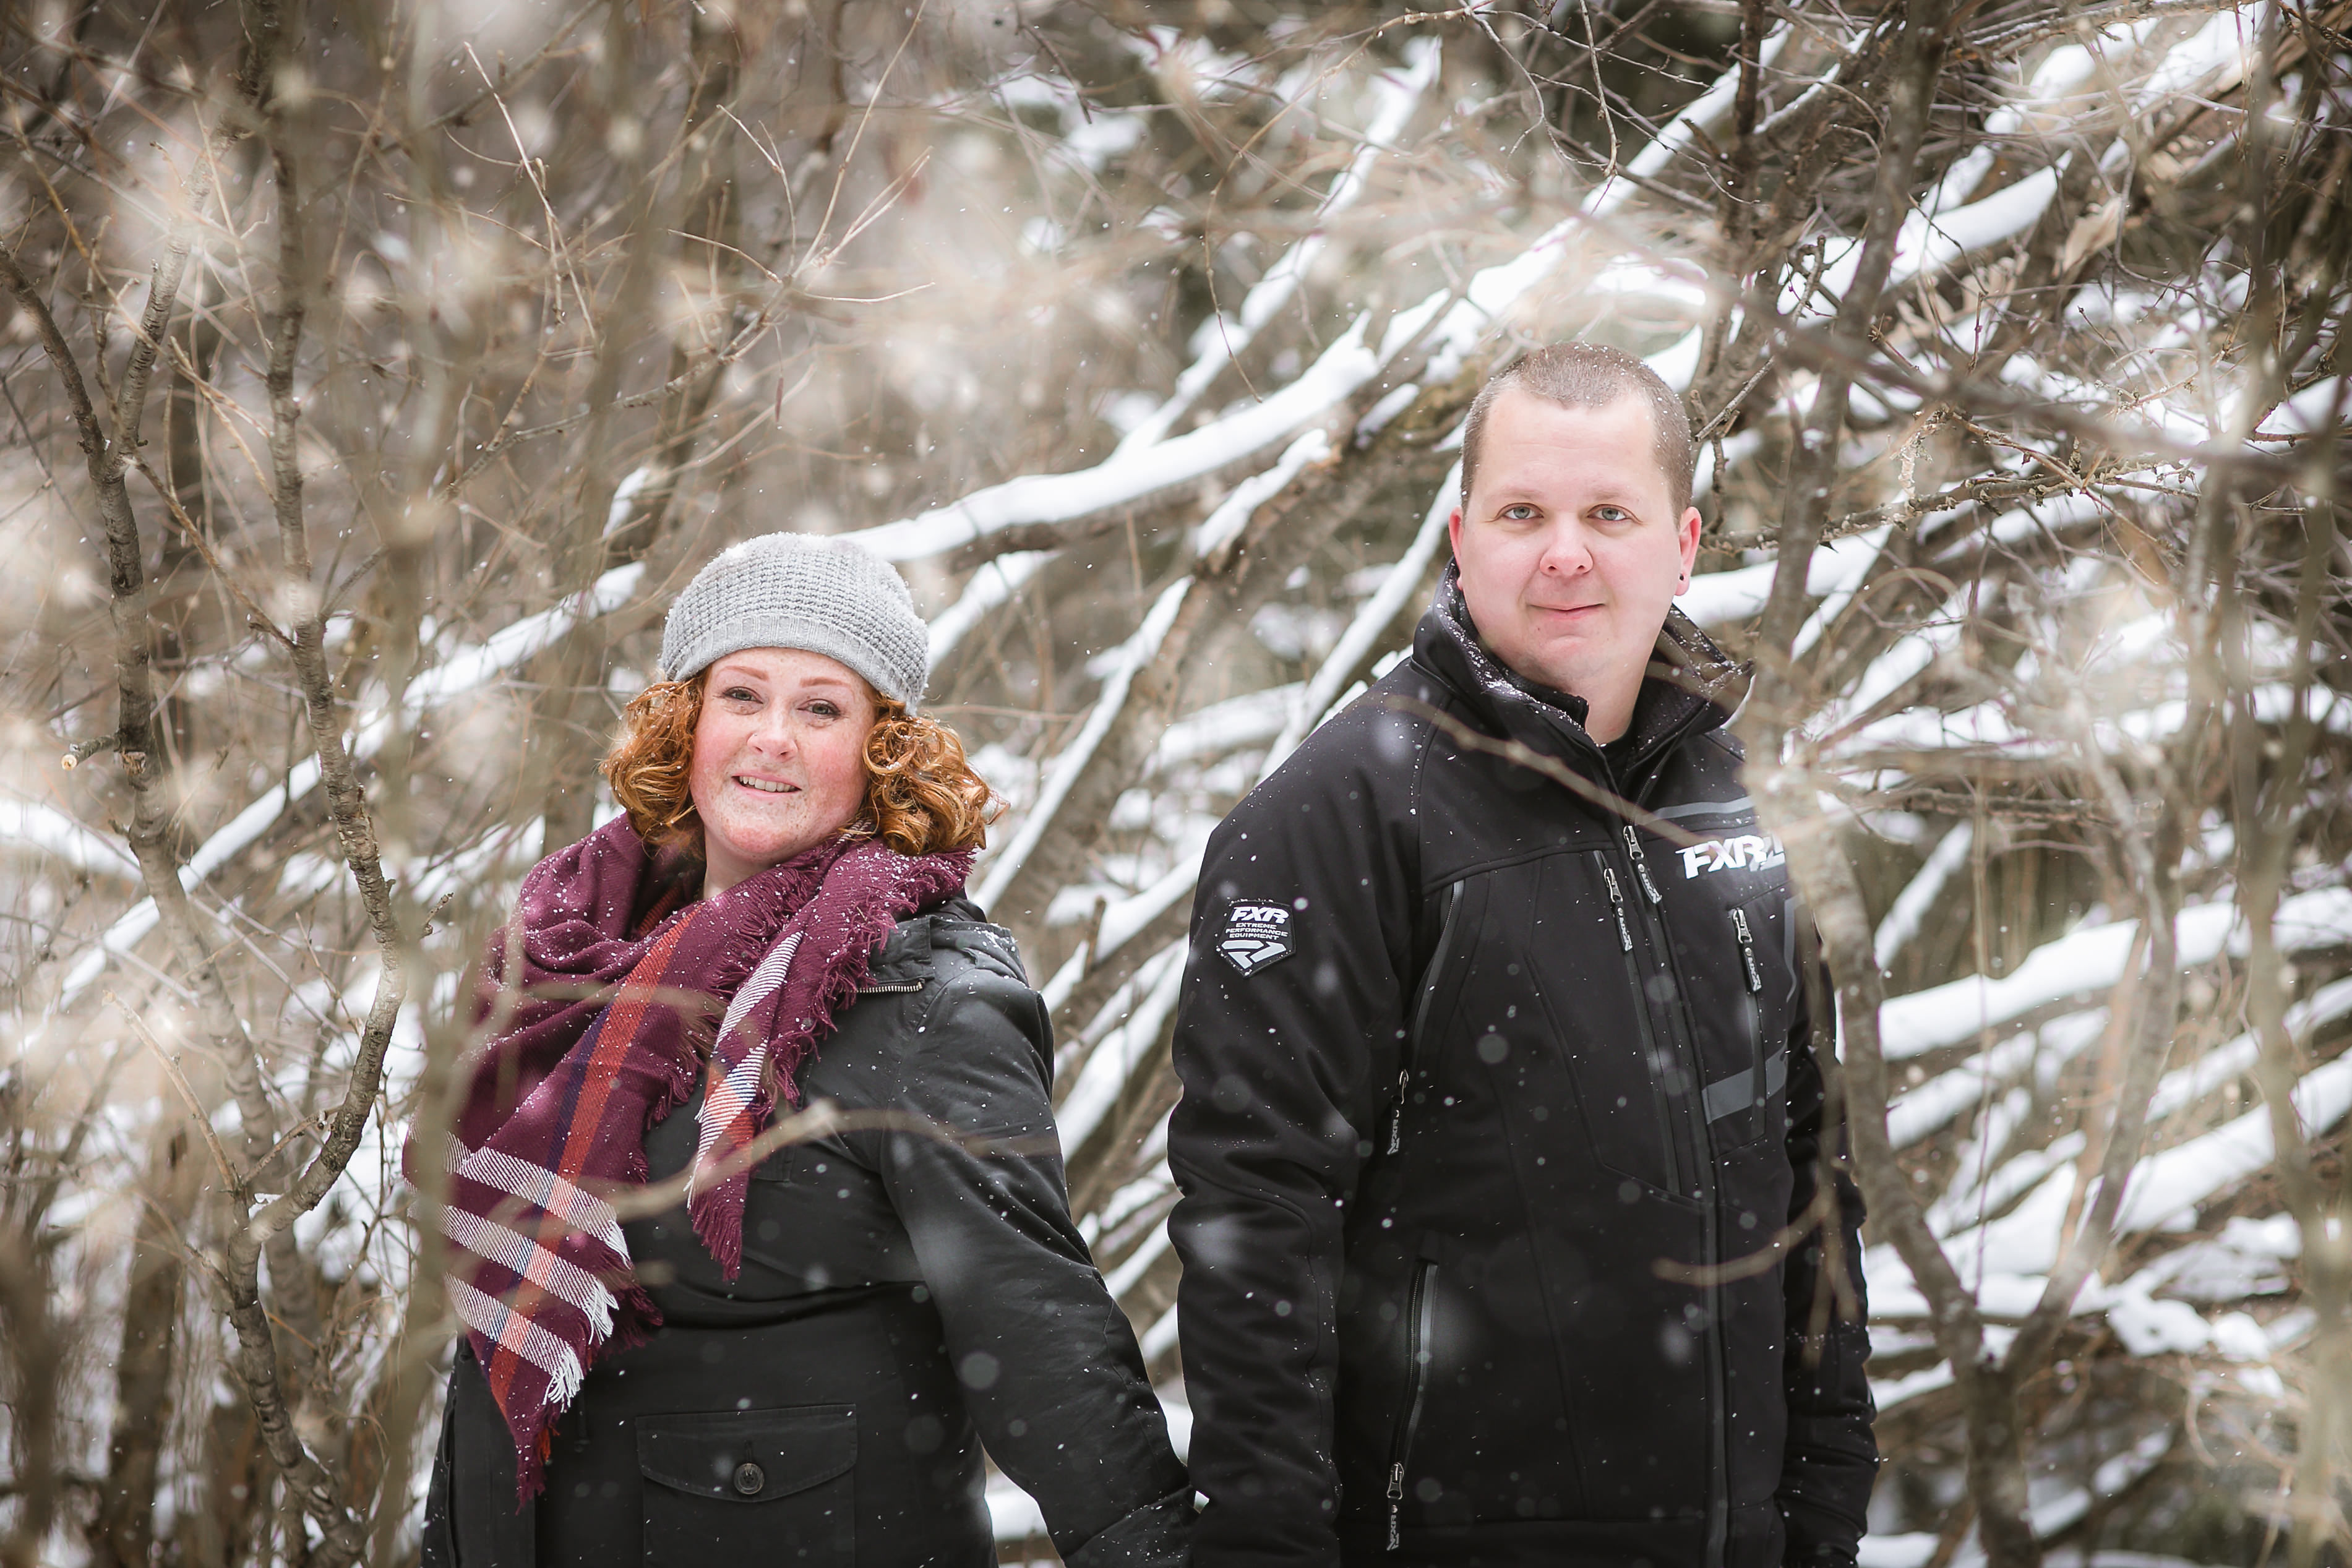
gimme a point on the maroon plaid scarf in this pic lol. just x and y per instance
(538, 1270)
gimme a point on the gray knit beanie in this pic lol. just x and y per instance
(807, 591)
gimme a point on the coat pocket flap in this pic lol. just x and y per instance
(748, 1456)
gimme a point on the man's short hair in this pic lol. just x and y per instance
(1589, 375)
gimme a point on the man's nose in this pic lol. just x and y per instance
(1567, 552)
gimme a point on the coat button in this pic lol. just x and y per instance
(750, 1478)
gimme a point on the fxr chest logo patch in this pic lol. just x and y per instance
(1746, 852)
(1255, 935)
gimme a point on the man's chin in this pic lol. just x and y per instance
(1569, 669)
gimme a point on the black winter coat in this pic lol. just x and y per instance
(901, 1301)
(1468, 1068)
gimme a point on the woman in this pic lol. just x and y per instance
(800, 1367)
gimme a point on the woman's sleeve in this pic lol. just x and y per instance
(1049, 1366)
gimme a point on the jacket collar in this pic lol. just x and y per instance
(1693, 686)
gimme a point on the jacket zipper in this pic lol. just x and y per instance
(1747, 951)
(1642, 864)
(1617, 908)
(1757, 1095)
(1420, 1014)
(1699, 1185)
(1418, 1310)
(1678, 1178)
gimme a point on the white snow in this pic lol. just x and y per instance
(1249, 719)
(2063, 1506)
(2086, 959)
(1677, 362)
(1921, 894)
(1132, 1268)
(1232, 513)
(2243, 1260)
(1893, 1391)
(994, 584)
(1718, 598)
(2176, 1180)
(624, 498)
(1927, 246)
(1012, 1512)
(1890, 1392)
(1912, 1548)
(1373, 618)
(2005, 1183)
(46, 830)
(1156, 1341)
(1892, 1293)
(1866, 548)
(1134, 471)
(2316, 407)
(1701, 114)
(1071, 762)
(1934, 1105)
(1122, 920)
(1343, 367)
(464, 670)
(1113, 1058)
(2150, 1327)
(1736, 449)
(1398, 97)
(2005, 1260)
(2222, 47)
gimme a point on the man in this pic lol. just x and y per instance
(1486, 1078)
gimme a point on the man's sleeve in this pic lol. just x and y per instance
(1831, 1453)
(1288, 1030)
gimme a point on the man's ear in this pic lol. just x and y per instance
(1687, 542)
(1453, 534)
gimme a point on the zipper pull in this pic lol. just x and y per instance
(1396, 1119)
(1747, 949)
(1617, 907)
(1396, 1500)
(1642, 864)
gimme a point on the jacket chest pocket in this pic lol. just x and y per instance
(1746, 1002)
(1597, 989)
(774, 1486)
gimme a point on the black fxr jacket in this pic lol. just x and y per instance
(1464, 1062)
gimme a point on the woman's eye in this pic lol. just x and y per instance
(740, 694)
(823, 709)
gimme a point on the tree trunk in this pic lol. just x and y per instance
(122, 1534)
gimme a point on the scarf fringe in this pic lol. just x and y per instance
(717, 1218)
(844, 955)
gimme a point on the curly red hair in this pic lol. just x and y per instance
(921, 795)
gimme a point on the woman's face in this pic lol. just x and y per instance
(779, 759)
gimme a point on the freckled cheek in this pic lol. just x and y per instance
(841, 773)
(715, 747)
